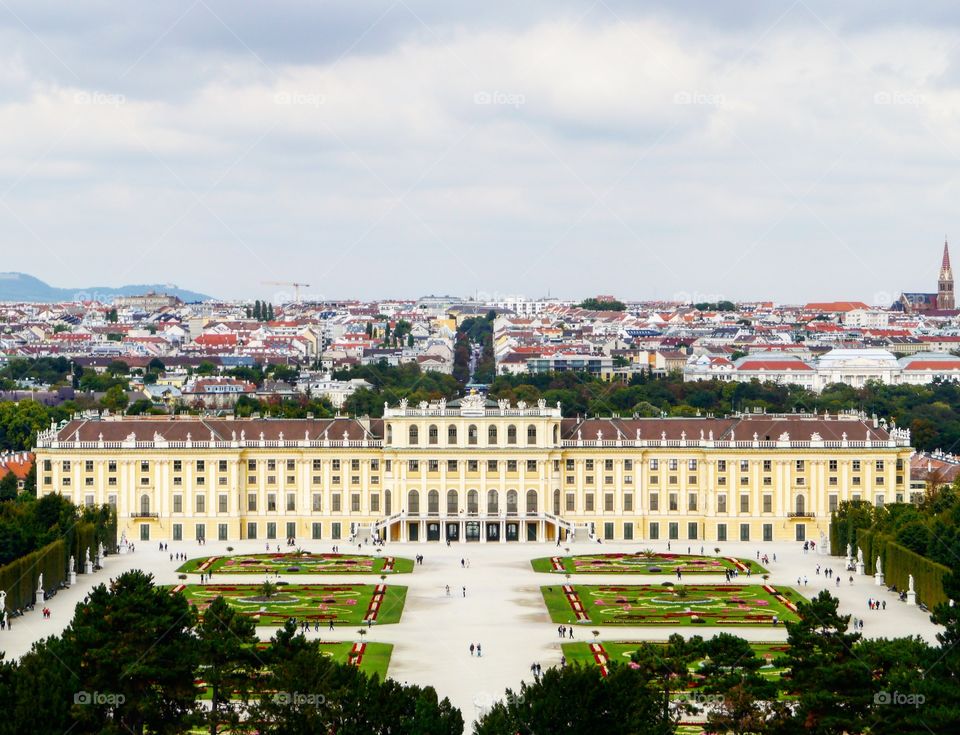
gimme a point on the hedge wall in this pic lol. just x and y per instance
(899, 563)
(19, 577)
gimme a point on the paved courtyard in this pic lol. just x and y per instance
(503, 609)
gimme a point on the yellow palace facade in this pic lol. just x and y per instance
(475, 470)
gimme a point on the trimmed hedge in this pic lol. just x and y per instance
(899, 563)
(19, 577)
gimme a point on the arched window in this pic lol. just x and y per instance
(472, 434)
(556, 502)
(492, 436)
(414, 435)
(512, 502)
(387, 504)
(389, 433)
(473, 502)
(433, 502)
(493, 502)
(531, 434)
(433, 434)
(801, 504)
(511, 434)
(452, 502)
(531, 501)
(451, 434)
(413, 503)
(144, 503)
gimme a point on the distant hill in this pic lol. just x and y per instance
(23, 287)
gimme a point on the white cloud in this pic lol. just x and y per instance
(642, 156)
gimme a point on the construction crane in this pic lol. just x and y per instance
(296, 287)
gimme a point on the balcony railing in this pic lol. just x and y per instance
(144, 515)
(801, 514)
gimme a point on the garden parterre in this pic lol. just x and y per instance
(669, 604)
(297, 562)
(603, 653)
(645, 562)
(344, 604)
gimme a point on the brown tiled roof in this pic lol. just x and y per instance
(176, 429)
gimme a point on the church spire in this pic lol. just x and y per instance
(945, 300)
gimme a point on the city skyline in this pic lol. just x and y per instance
(414, 148)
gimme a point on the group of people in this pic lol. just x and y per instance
(563, 631)
(177, 556)
(418, 559)
(537, 670)
(475, 647)
(876, 604)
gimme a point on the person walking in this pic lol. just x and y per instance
(471, 649)
(464, 591)
(478, 650)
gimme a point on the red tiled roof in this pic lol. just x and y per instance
(935, 365)
(835, 306)
(774, 365)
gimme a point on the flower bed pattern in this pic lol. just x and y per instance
(669, 605)
(643, 563)
(298, 563)
(342, 604)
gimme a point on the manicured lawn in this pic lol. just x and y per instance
(374, 657)
(644, 563)
(344, 604)
(669, 605)
(602, 652)
(298, 563)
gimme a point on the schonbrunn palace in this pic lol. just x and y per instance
(476, 470)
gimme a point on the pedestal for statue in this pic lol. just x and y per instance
(88, 567)
(878, 579)
(860, 568)
(73, 578)
(38, 598)
(912, 598)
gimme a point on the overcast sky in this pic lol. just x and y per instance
(388, 148)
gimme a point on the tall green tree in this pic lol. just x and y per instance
(133, 643)
(575, 700)
(227, 653)
(832, 684)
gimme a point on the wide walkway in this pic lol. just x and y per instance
(502, 609)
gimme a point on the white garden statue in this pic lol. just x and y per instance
(3, 601)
